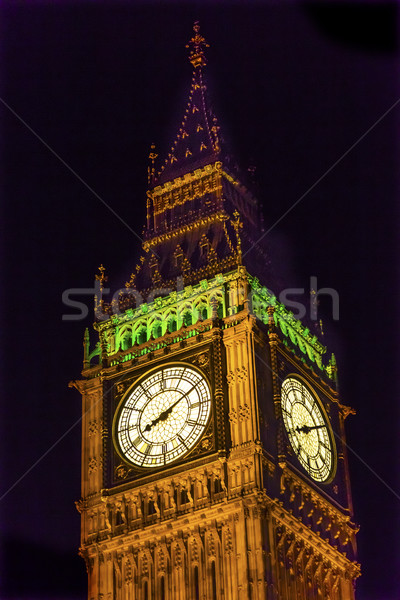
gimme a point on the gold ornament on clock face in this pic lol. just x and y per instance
(307, 429)
(163, 416)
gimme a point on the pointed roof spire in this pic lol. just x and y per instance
(196, 45)
(197, 142)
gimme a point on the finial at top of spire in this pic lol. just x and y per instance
(197, 44)
(151, 168)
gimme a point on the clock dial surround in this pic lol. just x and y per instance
(308, 429)
(163, 416)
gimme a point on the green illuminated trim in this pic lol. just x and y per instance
(185, 313)
(291, 327)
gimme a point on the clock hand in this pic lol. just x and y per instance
(308, 428)
(164, 415)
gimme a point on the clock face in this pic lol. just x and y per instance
(163, 417)
(307, 429)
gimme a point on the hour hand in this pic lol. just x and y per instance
(164, 415)
(308, 428)
(150, 425)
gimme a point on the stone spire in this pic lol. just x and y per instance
(197, 142)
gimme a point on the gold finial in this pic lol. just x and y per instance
(215, 129)
(102, 277)
(151, 168)
(197, 45)
(237, 225)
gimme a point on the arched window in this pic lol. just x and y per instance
(220, 310)
(184, 497)
(213, 581)
(187, 318)
(142, 336)
(172, 325)
(126, 341)
(203, 313)
(196, 583)
(157, 330)
(146, 591)
(162, 588)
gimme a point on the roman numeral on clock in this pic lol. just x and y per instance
(137, 440)
(181, 440)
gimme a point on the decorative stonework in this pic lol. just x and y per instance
(161, 560)
(206, 443)
(232, 415)
(244, 412)
(122, 472)
(178, 556)
(201, 360)
(95, 426)
(236, 376)
(145, 564)
(228, 541)
(195, 550)
(211, 544)
(94, 464)
(121, 387)
(230, 379)
(128, 572)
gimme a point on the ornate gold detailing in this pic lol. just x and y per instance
(206, 443)
(151, 168)
(101, 278)
(189, 187)
(94, 464)
(241, 414)
(232, 415)
(154, 270)
(244, 412)
(95, 426)
(121, 387)
(212, 256)
(196, 47)
(303, 552)
(347, 410)
(237, 225)
(201, 360)
(236, 376)
(122, 472)
(215, 130)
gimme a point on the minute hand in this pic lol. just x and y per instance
(308, 428)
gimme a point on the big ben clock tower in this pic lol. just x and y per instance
(213, 447)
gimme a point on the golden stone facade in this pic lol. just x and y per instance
(236, 517)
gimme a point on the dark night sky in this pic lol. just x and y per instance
(294, 86)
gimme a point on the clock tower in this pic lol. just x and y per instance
(213, 447)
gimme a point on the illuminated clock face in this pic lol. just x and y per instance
(163, 417)
(307, 429)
